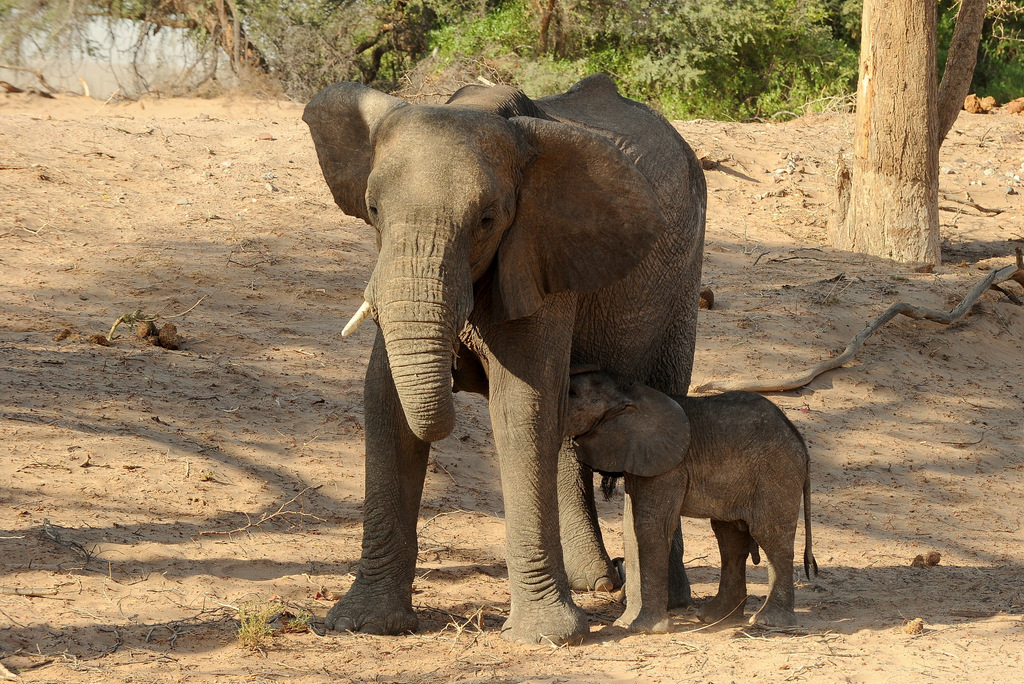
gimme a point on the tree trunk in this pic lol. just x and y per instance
(963, 55)
(892, 200)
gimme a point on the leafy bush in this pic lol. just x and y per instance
(1000, 68)
(712, 58)
(708, 58)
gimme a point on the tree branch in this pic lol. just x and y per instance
(991, 281)
(34, 72)
(960, 62)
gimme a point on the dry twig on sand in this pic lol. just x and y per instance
(991, 281)
(28, 591)
(267, 517)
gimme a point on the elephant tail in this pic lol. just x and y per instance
(809, 561)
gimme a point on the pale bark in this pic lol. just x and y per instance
(963, 55)
(892, 202)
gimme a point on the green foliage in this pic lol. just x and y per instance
(254, 618)
(708, 58)
(713, 58)
(1000, 68)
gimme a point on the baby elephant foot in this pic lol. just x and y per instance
(721, 609)
(648, 622)
(773, 616)
(599, 575)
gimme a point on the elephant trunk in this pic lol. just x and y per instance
(422, 304)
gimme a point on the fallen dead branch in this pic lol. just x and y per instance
(34, 72)
(971, 204)
(991, 281)
(281, 512)
(28, 591)
(52, 533)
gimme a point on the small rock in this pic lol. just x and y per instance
(265, 136)
(928, 561)
(915, 626)
(168, 337)
(227, 164)
(1015, 106)
(988, 172)
(1009, 190)
(144, 330)
(948, 171)
(270, 187)
(707, 298)
(977, 105)
(183, 201)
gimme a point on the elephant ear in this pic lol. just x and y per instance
(647, 437)
(585, 218)
(341, 119)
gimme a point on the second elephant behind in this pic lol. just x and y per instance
(734, 458)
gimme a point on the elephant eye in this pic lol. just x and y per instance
(487, 221)
(371, 205)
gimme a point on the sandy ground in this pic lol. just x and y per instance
(147, 494)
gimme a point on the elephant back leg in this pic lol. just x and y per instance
(734, 547)
(380, 599)
(776, 540)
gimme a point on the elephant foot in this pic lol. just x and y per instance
(599, 574)
(773, 616)
(721, 608)
(559, 624)
(648, 622)
(361, 611)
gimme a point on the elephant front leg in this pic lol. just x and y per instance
(527, 403)
(380, 599)
(647, 528)
(586, 562)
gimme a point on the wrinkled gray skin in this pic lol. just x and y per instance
(516, 238)
(734, 458)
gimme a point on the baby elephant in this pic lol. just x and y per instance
(734, 458)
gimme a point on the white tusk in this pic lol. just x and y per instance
(357, 320)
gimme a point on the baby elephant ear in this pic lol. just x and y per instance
(648, 437)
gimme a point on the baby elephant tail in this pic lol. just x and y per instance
(809, 561)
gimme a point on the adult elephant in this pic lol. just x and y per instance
(516, 239)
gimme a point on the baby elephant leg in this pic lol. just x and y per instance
(733, 546)
(647, 533)
(777, 543)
